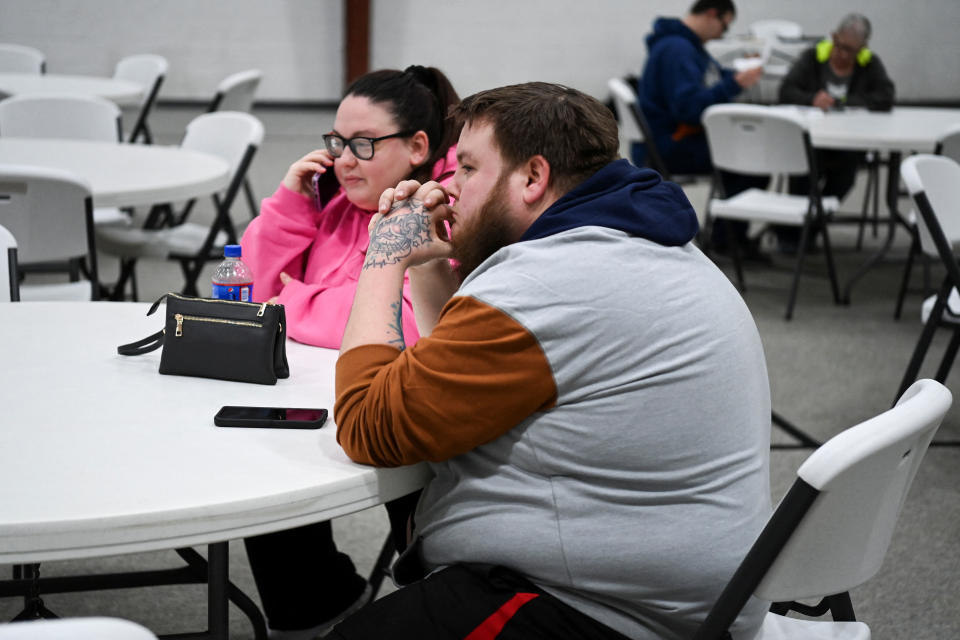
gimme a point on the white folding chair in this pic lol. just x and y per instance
(775, 29)
(50, 213)
(934, 185)
(831, 531)
(948, 146)
(69, 117)
(759, 140)
(236, 93)
(149, 71)
(9, 280)
(15, 58)
(234, 137)
(94, 628)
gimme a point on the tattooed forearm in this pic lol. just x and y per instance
(406, 227)
(395, 328)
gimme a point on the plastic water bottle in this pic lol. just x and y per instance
(233, 279)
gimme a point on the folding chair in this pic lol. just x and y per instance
(634, 128)
(236, 93)
(934, 184)
(15, 58)
(832, 529)
(234, 137)
(93, 628)
(69, 117)
(50, 213)
(948, 146)
(758, 140)
(148, 70)
(9, 280)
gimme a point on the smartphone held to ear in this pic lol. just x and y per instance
(270, 417)
(325, 186)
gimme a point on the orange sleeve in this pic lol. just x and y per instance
(475, 377)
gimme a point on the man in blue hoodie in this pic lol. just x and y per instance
(680, 80)
(589, 390)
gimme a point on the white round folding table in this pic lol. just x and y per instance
(124, 175)
(120, 91)
(102, 455)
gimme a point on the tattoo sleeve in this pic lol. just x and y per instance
(395, 328)
(405, 228)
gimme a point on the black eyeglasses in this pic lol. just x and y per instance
(360, 146)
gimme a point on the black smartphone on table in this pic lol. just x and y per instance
(270, 417)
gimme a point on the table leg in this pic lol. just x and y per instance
(893, 195)
(217, 604)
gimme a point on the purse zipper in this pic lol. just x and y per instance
(262, 305)
(179, 317)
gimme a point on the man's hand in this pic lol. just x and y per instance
(408, 228)
(748, 78)
(824, 100)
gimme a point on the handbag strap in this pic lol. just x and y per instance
(151, 343)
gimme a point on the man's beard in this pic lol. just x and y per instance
(487, 231)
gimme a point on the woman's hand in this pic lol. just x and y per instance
(284, 280)
(299, 176)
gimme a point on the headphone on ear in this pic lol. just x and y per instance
(825, 47)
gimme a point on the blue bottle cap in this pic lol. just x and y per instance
(231, 251)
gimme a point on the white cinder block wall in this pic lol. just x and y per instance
(299, 44)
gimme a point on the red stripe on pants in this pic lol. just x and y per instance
(492, 626)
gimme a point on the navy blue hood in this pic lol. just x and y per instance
(621, 196)
(663, 27)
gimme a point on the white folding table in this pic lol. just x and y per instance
(101, 455)
(121, 174)
(122, 92)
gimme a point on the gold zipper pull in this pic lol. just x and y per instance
(262, 308)
(179, 318)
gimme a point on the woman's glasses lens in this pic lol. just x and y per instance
(362, 148)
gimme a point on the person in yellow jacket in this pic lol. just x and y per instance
(838, 72)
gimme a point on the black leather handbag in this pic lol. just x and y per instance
(225, 339)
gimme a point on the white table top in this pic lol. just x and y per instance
(124, 175)
(120, 91)
(903, 129)
(100, 454)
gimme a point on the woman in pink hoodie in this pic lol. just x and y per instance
(306, 249)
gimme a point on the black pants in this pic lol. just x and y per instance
(838, 172)
(472, 602)
(303, 580)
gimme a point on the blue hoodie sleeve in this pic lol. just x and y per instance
(686, 97)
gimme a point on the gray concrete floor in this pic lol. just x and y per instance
(830, 367)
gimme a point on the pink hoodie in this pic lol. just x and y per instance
(323, 251)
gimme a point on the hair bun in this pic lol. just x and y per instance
(422, 75)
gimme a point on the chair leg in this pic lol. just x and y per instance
(868, 191)
(801, 254)
(923, 343)
(831, 267)
(251, 200)
(734, 243)
(948, 357)
(127, 274)
(907, 269)
(381, 567)
(841, 607)
(191, 271)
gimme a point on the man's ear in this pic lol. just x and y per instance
(537, 179)
(419, 148)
